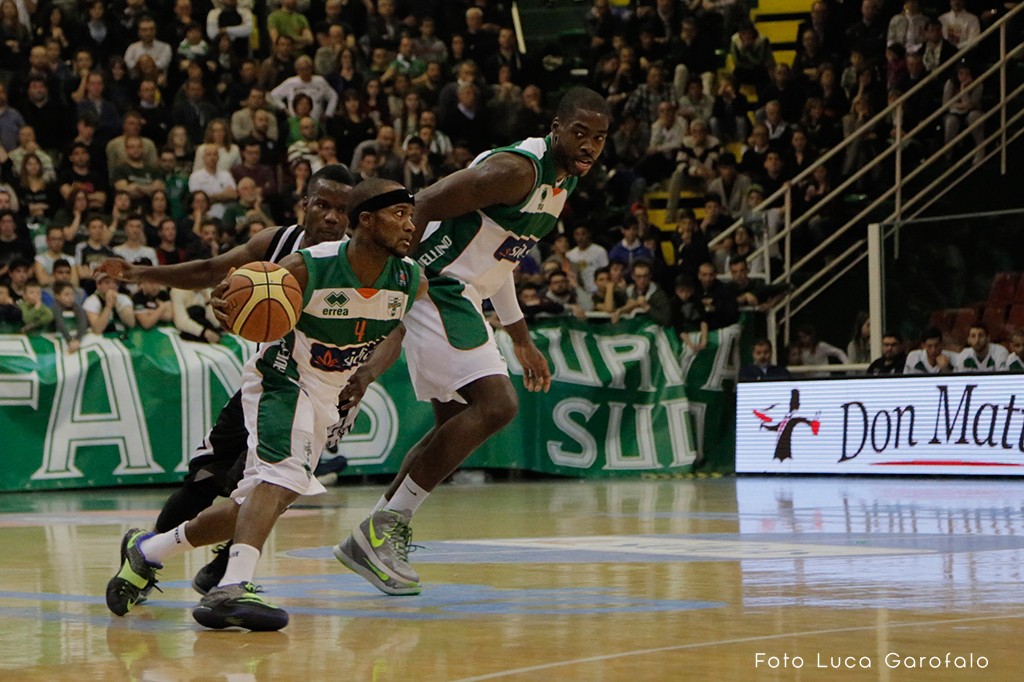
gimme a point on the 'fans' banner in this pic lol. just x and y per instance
(625, 400)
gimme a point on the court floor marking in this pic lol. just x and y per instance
(740, 640)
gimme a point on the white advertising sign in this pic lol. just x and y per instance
(958, 425)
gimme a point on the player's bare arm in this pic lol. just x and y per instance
(503, 178)
(198, 274)
(383, 356)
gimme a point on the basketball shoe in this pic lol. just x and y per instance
(239, 606)
(137, 575)
(209, 575)
(378, 550)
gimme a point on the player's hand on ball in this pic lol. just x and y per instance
(217, 302)
(536, 374)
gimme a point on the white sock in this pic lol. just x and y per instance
(166, 545)
(408, 497)
(241, 565)
(381, 503)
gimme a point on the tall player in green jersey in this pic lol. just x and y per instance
(355, 293)
(476, 225)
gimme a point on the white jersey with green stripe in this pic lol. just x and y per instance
(341, 321)
(483, 247)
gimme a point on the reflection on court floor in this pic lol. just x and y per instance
(618, 580)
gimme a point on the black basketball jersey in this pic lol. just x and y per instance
(285, 242)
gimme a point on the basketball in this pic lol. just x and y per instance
(264, 301)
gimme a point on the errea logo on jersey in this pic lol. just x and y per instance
(335, 302)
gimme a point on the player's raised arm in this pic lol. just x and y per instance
(504, 179)
(197, 274)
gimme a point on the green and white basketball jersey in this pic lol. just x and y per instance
(483, 247)
(995, 361)
(341, 321)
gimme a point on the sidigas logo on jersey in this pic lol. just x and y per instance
(335, 359)
(513, 249)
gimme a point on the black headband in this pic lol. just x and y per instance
(379, 201)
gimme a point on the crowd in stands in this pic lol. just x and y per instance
(162, 131)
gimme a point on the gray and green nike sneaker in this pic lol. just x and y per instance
(137, 575)
(239, 606)
(378, 550)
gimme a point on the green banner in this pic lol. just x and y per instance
(625, 400)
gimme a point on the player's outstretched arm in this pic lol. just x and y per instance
(197, 274)
(503, 179)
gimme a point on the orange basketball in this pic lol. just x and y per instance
(264, 301)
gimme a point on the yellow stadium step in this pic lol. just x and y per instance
(782, 6)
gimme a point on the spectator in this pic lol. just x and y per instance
(80, 174)
(869, 34)
(167, 251)
(644, 101)
(1015, 361)
(859, 348)
(243, 120)
(208, 244)
(232, 20)
(731, 185)
(251, 167)
(762, 368)
(893, 358)
(981, 355)
(417, 172)
(10, 313)
(136, 177)
(218, 185)
(930, 358)
(11, 121)
(249, 206)
(116, 152)
(286, 21)
(134, 249)
(814, 351)
(27, 145)
(729, 122)
(323, 97)
(666, 140)
(688, 315)
(754, 293)
(47, 115)
(752, 57)
(587, 257)
(63, 274)
(36, 317)
(54, 252)
(630, 248)
(692, 247)
(19, 272)
(607, 298)
(959, 27)
(152, 305)
(108, 310)
(965, 109)
(218, 136)
(193, 111)
(937, 50)
(719, 305)
(69, 318)
(536, 306)
(469, 119)
(108, 120)
(388, 163)
(92, 252)
(148, 44)
(156, 211)
(644, 297)
(40, 198)
(908, 27)
(563, 290)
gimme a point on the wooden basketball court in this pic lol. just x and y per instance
(688, 579)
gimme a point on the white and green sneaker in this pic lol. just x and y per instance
(239, 606)
(378, 550)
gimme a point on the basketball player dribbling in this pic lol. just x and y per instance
(289, 401)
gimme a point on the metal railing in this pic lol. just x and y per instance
(816, 279)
